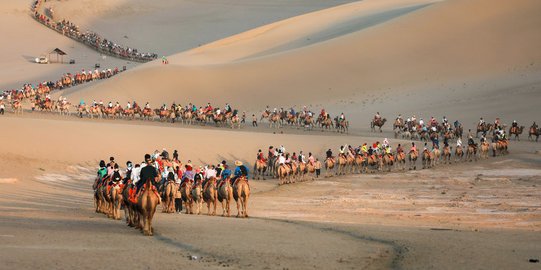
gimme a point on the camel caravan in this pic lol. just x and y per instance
(89, 38)
(285, 167)
(164, 180)
(305, 119)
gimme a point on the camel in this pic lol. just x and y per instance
(459, 153)
(387, 162)
(186, 192)
(241, 194)
(169, 202)
(426, 159)
(373, 162)
(350, 163)
(446, 155)
(483, 128)
(534, 131)
(260, 167)
(197, 196)
(301, 171)
(17, 107)
(360, 163)
(146, 206)
(235, 122)
(342, 163)
(116, 200)
(310, 169)
(436, 156)
(401, 160)
(484, 150)
(293, 172)
(499, 147)
(412, 159)
(341, 125)
(516, 131)
(471, 153)
(327, 123)
(129, 208)
(274, 119)
(210, 195)
(283, 174)
(225, 196)
(377, 123)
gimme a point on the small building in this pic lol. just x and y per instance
(59, 54)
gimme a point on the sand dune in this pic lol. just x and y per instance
(447, 45)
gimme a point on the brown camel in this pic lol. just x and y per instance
(225, 196)
(484, 150)
(169, 203)
(186, 192)
(283, 174)
(342, 163)
(426, 159)
(516, 131)
(197, 195)
(241, 194)
(329, 165)
(377, 123)
(116, 200)
(210, 195)
(459, 153)
(260, 167)
(146, 206)
(446, 155)
(401, 160)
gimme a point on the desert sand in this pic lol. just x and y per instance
(462, 59)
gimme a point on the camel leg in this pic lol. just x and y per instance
(215, 203)
(245, 204)
(238, 207)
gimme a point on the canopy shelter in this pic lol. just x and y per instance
(58, 53)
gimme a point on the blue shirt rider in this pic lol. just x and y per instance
(240, 170)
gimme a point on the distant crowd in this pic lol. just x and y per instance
(89, 38)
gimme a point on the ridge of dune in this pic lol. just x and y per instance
(301, 30)
(444, 47)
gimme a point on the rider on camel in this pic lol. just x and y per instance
(413, 148)
(323, 114)
(377, 117)
(311, 158)
(329, 154)
(497, 122)
(240, 170)
(260, 156)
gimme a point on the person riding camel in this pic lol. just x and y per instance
(227, 108)
(342, 151)
(260, 157)
(497, 122)
(311, 159)
(413, 148)
(364, 149)
(377, 117)
(514, 126)
(110, 105)
(116, 177)
(342, 117)
(323, 114)
(102, 171)
(147, 172)
(399, 149)
(294, 157)
(208, 108)
(240, 171)
(301, 158)
(385, 142)
(329, 154)
(147, 106)
(128, 172)
(472, 143)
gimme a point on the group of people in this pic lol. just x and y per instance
(89, 38)
(284, 158)
(161, 167)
